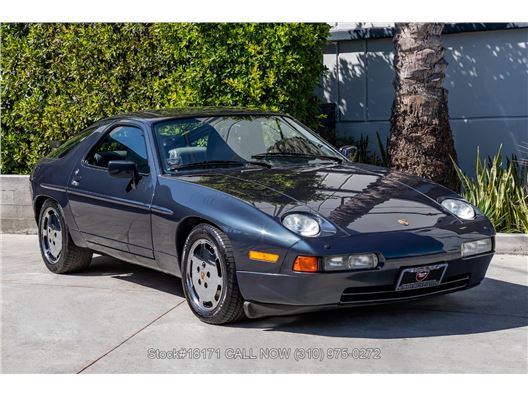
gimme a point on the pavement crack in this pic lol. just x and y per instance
(130, 337)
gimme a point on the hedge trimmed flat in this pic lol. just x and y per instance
(257, 214)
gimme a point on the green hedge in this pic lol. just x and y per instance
(59, 78)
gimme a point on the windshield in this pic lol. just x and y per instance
(192, 143)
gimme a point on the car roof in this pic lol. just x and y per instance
(186, 112)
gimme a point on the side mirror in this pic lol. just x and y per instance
(54, 144)
(125, 170)
(350, 152)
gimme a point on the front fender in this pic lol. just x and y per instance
(246, 226)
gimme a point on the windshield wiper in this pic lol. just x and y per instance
(218, 162)
(302, 155)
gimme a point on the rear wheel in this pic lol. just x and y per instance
(209, 276)
(59, 252)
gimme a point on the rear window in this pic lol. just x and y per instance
(70, 144)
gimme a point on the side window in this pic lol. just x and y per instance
(70, 144)
(123, 143)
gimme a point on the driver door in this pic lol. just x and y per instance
(109, 213)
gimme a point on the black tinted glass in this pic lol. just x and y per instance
(70, 144)
(124, 143)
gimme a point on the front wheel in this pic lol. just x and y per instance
(209, 276)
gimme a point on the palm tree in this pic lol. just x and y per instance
(420, 140)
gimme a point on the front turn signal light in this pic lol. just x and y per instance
(306, 264)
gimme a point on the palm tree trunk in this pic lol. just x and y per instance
(420, 140)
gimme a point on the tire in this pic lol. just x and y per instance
(58, 251)
(208, 257)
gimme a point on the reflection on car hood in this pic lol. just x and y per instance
(357, 198)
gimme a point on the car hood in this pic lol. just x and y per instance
(356, 198)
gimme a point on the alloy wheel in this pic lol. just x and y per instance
(204, 275)
(51, 235)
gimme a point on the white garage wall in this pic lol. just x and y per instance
(487, 79)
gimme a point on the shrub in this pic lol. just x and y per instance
(59, 78)
(500, 192)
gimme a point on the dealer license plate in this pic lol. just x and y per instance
(420, 277)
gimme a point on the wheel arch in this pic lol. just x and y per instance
(38, 202)
(74, 233)
(184, 229)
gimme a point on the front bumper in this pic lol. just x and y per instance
(279, 293)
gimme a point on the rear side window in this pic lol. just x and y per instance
(70, 144)
(123, 143)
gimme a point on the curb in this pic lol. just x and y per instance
(504, 243)
(511, 244)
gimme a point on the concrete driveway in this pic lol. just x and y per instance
(120, 318)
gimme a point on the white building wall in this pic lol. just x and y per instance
(487, 80)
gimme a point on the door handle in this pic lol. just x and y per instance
(76, 178)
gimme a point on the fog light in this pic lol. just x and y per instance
(363, 261)
(355, 261)
(476, 247)
(336, 263)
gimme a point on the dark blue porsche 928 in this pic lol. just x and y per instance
(255, 213)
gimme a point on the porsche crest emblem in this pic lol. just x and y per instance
(403, 222)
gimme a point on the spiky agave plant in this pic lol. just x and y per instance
(500, 192)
